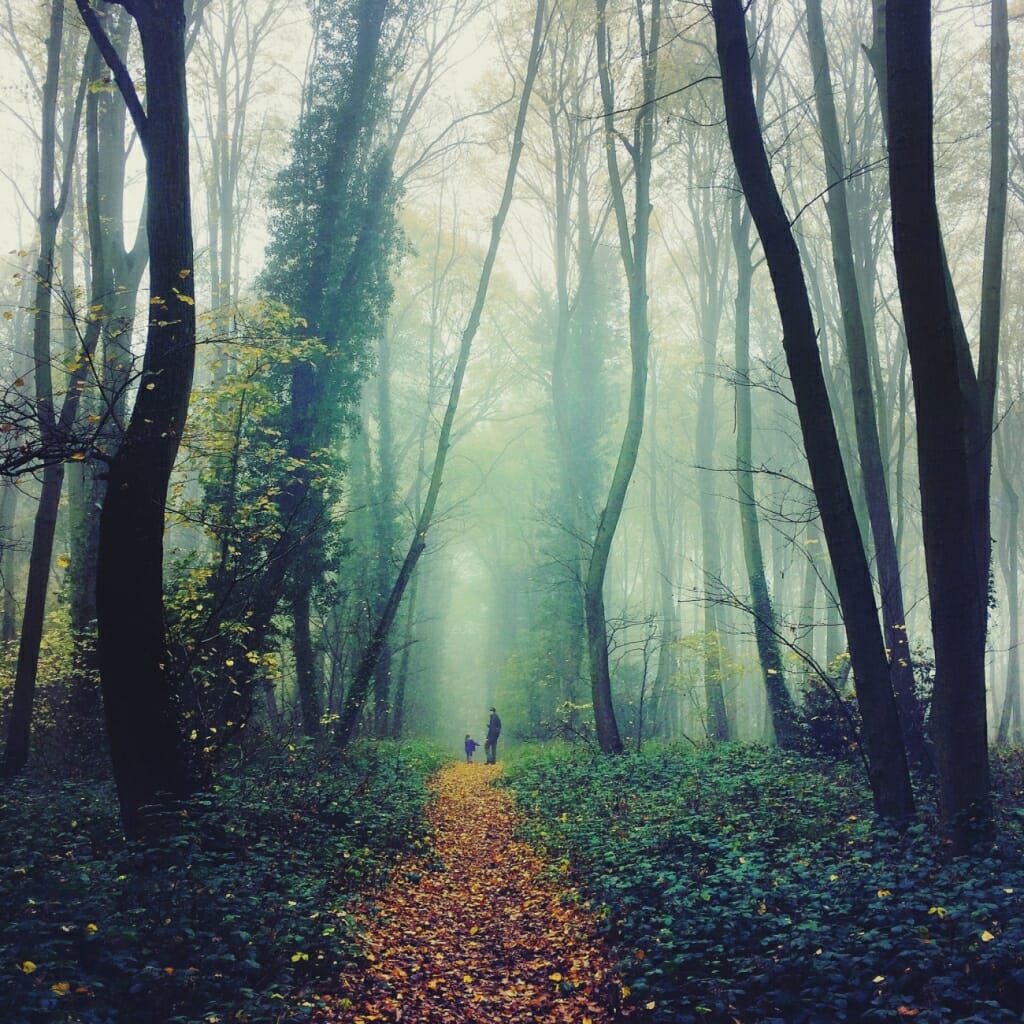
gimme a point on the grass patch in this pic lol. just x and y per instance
(745, 885)
(241, 905)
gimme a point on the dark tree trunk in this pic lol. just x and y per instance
(148, 756)
(883, 741)
(865, 422)
(51, 208)
(956, 591)
(307, 680)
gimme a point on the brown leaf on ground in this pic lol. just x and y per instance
(476, 930)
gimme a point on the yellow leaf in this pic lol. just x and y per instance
(882, 893)
(987, 936)
(61, 988)
(878, 979)
(63, 561)
(184, 273)
(91, 929)
(651, 1005)
(8, 315)
(26, 967)
(78, 457)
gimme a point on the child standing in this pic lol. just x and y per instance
(471, 745)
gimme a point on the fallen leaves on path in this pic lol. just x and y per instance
(476, 929)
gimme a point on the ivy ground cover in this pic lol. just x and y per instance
(748, 886)
(239, 912)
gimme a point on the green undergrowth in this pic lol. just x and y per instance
(744, 885)
(242, 903)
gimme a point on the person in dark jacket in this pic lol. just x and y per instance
(491, 742)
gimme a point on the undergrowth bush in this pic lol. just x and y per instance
(238, 907)
(747, 886)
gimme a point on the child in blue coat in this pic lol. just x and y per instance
(471, 745)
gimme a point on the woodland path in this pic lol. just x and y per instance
(478, 928)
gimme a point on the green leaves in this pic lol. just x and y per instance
(243, 899)
(759, 888)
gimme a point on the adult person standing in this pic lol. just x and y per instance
(491, 742)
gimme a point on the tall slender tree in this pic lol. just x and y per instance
(947, 406)
(365, 670)
(634, 236)
(883, 741)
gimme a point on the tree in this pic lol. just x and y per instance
(780, 704)
(856, 344)
(633, 244)
(51, 426)
(138, 693)
(883, 742)
(366, 669)
(952, 483)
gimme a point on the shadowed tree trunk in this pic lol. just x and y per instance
(882, 737)
(149, 762)
(869, 446)
(954, 551)
(52, 428)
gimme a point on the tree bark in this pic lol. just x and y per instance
(887, 765)
(149, 761)
(957, 596)
(633, 249)
(869, 446)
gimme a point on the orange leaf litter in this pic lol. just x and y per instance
(476, 929)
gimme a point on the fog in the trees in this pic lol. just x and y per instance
(492, 402)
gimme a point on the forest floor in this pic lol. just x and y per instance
(478, 927)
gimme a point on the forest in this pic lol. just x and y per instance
(511, 511)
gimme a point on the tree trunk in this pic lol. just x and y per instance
(869, 446)
(1010, 723)
(148, 756)
(633, 249)
(307, 681)
(957, 596)
(887, 766)
(780, 704)
(51, 208)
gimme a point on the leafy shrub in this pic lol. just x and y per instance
(238, 906)
(750, 885)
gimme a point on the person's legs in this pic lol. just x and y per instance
(490, 751)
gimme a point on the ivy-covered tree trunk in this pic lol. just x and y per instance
(149, 762)
(882, 735)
